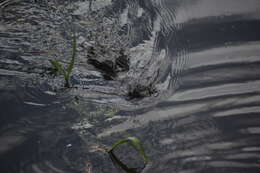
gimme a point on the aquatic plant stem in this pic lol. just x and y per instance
(135, 143)
(66, 72)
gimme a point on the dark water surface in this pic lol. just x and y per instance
(202, 56)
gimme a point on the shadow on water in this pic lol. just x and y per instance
(34, 128)
(201, 56)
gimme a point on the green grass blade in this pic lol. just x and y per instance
(135, 143)
(72, 61)
(55, 64)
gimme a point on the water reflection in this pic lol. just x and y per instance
(211, 119)
(203, 55)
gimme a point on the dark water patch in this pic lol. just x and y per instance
(231, 97)
(220, 74)
(190, 35)
(109, 68)
(208, 122)
(20, 151)
(228, 65)
(32, 134)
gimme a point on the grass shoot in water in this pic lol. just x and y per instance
(59, 69)
(136, 144)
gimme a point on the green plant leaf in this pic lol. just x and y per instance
(71, 64)
(56, 65)
(135, 143)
